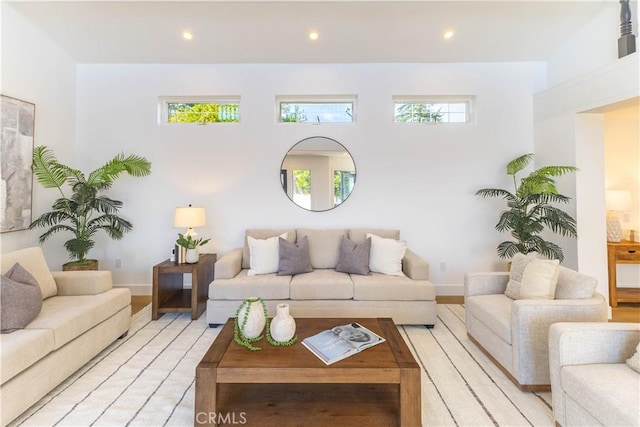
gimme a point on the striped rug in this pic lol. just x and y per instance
(147, 379)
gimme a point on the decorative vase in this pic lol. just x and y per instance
(283, 326)
(251, 319)
(192, 256)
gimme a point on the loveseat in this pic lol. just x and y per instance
(595, 373)
(405, 295)
(512, 328)
(80, 315)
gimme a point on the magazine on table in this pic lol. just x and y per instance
(341, 342)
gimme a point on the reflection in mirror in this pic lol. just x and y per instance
(318, 174)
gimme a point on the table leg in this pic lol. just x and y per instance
(410, 398)
(206, 399)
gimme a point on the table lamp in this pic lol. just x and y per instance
(189, 217)
(617, 201)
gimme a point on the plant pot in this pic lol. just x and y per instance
(89, 264)
(192, 256)
(251, 319)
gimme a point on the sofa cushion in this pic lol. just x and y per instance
(609, 392)
(324, 246)
(634, 361)
(266, 286)
(21, 299)
(494, 311)
(354, 258)
(359, 235)
(264, 254)
(321, 284)
(294, 257)
(381, 287)
(518, 263)
(22, 349)
(32, 259)
(539, 279)
(70, 316)
(574, 285)
(263, 233)
(386, 255)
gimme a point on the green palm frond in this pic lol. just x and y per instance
(86, 211)
(530, 210)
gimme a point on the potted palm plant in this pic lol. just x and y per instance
(82, 209)
(530, 210)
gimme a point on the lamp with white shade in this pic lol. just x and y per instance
(617, 201)
(189, 217)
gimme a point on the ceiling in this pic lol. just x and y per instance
(277, 32)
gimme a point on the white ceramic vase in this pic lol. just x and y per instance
(283, 326)
(255, 318)
(192, 256)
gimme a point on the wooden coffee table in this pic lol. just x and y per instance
(283, 386)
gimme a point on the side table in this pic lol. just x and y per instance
(169, 295)
(623, 252)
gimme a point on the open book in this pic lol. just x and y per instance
(341, 342)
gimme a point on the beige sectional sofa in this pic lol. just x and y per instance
(81, 315)
(325, 292)
(592, 379)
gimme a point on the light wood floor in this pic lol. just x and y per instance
(625, 312)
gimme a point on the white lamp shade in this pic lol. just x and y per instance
(189, 217)
(618, 200)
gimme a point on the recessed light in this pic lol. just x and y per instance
(448, 34)
(187, 35)
(313, 35)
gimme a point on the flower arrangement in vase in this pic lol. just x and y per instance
(251, 319)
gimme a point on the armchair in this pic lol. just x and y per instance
(513, 333)
(590, 382)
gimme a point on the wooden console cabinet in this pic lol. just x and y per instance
(169, 295)
(623, 252)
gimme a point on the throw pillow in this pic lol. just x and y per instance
(634, 361)
(518, 263)
(264, 255)
(294, 257)
(21, 300)
(386, 255)
(539, 279)
(354, 259)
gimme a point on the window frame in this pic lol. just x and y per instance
(469, 100)
(164, 101)
(316, 99)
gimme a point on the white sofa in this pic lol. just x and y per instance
(81, 315)
(514, 332)
(591, 385)
(325, 292)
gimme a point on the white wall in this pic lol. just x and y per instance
(419, 178)
(36, 70)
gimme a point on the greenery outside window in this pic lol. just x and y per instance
(343, 182)
(302, 188)
(316, 110)
(200, 110)
(434, 110)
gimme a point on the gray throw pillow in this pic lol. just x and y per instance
(354, 259)
(21, 300)
(294, 258)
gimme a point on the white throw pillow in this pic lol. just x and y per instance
(634, 361)
(264, 255)
(386, 255)
(518, 263)
(539, 279)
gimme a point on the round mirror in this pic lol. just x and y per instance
(318, 174)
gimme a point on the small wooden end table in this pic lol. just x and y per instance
(169, 295)
(623, 252)
(278, 386)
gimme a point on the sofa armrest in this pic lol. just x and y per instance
(579, 343)
(414, 266)
(228, 266)
(91, 282)
(485, 283)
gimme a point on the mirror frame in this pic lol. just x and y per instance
(283, 173)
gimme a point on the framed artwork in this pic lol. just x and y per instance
(17, 122)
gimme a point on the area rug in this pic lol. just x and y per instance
(147, 379)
